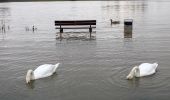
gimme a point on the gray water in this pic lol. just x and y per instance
(90, 69)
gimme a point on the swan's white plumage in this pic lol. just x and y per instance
(41, 72)
(44, 71)
(147, 69)
(143, 69)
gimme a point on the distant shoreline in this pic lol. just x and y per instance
(58, 0)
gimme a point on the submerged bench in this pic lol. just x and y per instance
(75, 24)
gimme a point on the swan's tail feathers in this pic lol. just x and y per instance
(155, 64)
(56, 66)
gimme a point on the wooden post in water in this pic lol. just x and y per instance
(33, 28)
(128, 28)
(8, 27)
(3, 26)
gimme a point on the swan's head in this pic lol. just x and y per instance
(134, 72)
(29, 76)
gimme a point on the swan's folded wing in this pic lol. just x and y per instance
(146, 69)
(43, 71)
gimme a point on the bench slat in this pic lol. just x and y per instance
(76, 22)
(58, 24)
(74, 27)
(91, 24)
(73, 21)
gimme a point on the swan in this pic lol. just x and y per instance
(42, 71)
(143, 69)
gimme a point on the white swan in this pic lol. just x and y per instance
(143, 69)
(41, 72)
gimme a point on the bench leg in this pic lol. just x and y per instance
(60, 36)
(61, 30)
(90, 30)
(90, 35)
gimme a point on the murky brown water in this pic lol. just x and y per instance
(90, 69)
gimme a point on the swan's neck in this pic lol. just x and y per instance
(30, 76)
(137, 72)
(133, 72)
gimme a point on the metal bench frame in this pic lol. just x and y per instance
(72, 24)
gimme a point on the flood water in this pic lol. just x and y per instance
(90, 69)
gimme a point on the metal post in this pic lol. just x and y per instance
(61, 31)
(90, 30)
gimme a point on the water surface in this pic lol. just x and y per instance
(90, 69)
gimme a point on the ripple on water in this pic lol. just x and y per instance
(155, 81)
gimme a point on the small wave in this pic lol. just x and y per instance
(118, 78)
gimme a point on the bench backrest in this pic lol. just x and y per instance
(76, 22)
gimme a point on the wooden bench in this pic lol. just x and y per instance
(75, 24)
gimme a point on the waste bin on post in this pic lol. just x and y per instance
(128, 27)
